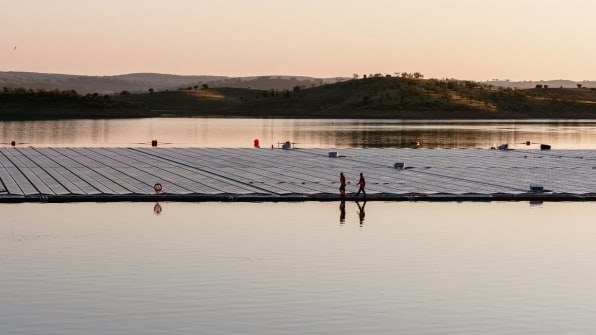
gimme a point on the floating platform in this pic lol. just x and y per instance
(243, 174)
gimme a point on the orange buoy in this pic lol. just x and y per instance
(157, 187)
(256, 143)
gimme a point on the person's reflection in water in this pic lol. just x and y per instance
(342, 212)
(157, 209)
(361, 212)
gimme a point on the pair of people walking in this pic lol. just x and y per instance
(342, 185)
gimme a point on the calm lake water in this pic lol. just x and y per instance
(293, 268)
(217, 132)
(297, 268)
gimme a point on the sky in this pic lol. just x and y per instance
(463, 39)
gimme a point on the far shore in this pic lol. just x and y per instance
(371, 98)
(69, 114)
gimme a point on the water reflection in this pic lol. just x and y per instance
(157, 209)
(511, 268)
(361, 213)
(220, 132)
(342, 212)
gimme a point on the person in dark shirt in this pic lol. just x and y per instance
(361, 183)
(342, 184)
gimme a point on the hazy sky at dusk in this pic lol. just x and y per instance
(464, 39)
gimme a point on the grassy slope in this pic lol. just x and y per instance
(41, 105)
(381, 97)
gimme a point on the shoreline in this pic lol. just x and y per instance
(479, 118)
(532, 197)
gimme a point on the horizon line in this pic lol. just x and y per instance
(283, 75)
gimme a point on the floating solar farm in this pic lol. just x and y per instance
(249, 174)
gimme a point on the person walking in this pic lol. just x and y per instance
(342, 185)
(361, 183)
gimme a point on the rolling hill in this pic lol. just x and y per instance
(142, 82)
(373, 97)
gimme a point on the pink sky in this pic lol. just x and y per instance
(465, 39)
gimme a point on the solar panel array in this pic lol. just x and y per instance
(48, 172)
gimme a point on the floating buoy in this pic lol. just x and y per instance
(157, 187)
(528, 142)
(157, 209)
(255, 143)
(154, 143)
(13, 143)
(287, 145)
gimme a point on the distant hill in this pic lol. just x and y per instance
(136, 82)
(379, 97)
(274, 82)
(560, 83)
(141, 82)
(366, 98)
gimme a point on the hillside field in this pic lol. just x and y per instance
(377, 97)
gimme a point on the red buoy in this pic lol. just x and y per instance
(256, 143)
(154, 143)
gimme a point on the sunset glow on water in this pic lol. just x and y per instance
(271, 268)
